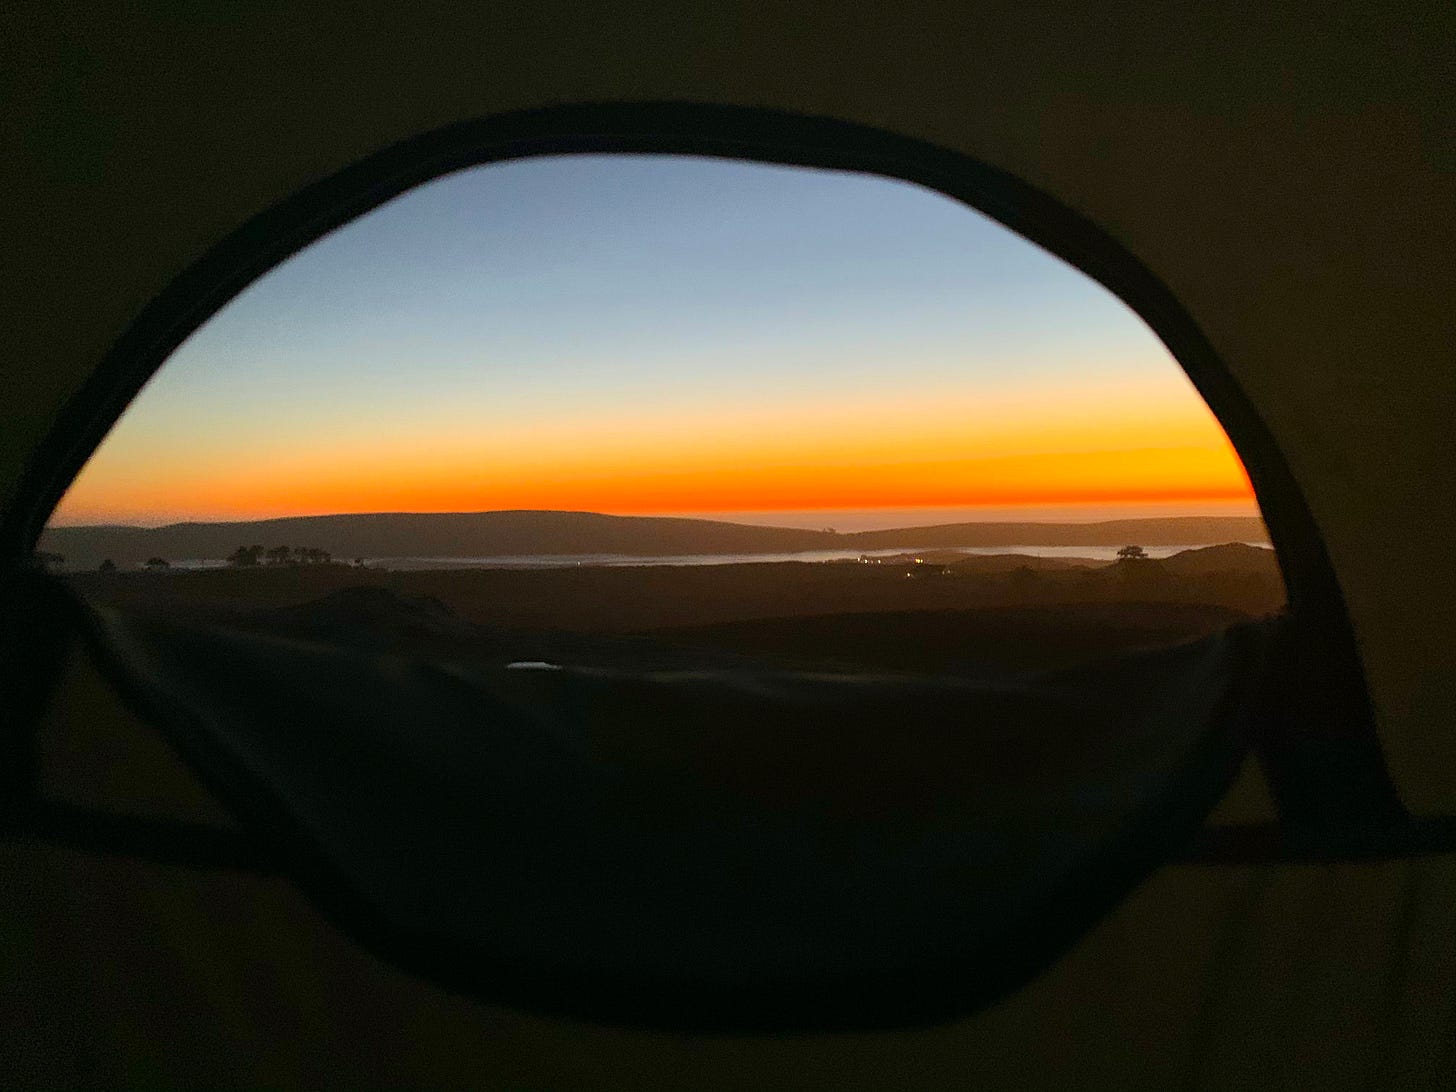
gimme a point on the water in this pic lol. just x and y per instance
(564, 561)
(567, 561)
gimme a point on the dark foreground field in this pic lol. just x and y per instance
(985, 615)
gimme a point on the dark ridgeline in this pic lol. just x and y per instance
(979, 615)
(485, 534)
(1171, 531)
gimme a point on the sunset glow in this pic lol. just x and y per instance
(561, 334)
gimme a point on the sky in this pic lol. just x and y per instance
(668, 335)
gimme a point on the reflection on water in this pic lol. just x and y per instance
(565, 561)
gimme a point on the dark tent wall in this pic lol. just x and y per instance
(1289, 176)
(118, 972)
(1287, 173)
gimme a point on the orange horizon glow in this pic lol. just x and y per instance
(1017, 451)
(1186, 475)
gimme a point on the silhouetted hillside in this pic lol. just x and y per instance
(634, 599)
(434, 534)
(1232, 557)
(1005, 563)
(984, 642)
(382, 620)
(363, 610)
(1178, 531)
(485, 534)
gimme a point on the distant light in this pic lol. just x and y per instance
(532, 665)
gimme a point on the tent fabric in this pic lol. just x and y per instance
(717, 848)
(1285, 172)
(123, 973)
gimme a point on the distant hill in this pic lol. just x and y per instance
(433, 534)
(1177, 531)
(486, 534)
(1232, 557)
(1005, 563)
(986, 563)
(634, 600)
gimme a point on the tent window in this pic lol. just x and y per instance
(845, 599)
(694, 406)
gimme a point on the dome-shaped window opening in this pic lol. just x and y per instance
(658, 408)
(701, 592)
(657, 411)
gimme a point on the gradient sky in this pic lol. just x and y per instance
(649, 334)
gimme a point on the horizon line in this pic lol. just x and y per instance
(694, 518)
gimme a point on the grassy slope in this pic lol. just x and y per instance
(978, 615)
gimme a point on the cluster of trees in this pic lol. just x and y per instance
(48, 562)
(243, 556)
(249, 556)
(152, 564)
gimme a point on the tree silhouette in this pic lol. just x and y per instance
(279, 555)
(311, 555)
(155, 563)
(1132, 553)
(106, 566)
(245, 556)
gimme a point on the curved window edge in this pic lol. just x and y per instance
(1316, 601)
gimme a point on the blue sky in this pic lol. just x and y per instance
(553, 297)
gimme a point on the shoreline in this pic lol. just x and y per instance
(1089, 555)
